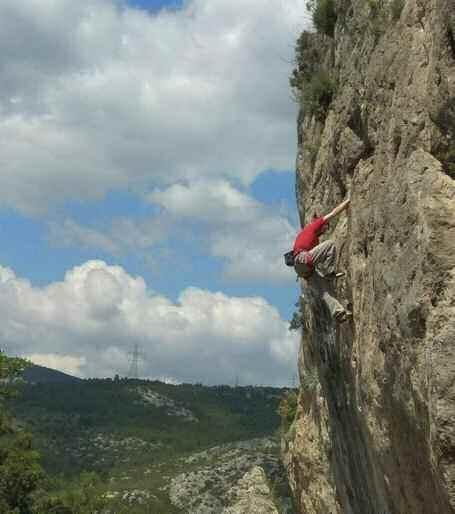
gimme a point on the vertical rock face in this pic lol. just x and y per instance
(375, 427)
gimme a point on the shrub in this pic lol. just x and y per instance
(287, 409)
(374, 7)
(317, 94)
(310, 380)
(312, 84)
(296, 321)
(324, 15)
(308, 58)
(447, 159)
(445, 151)
(396, 7)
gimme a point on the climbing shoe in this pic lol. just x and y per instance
(335, 275)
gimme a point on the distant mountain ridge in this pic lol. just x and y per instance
(40, 374)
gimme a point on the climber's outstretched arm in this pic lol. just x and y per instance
(337, 210)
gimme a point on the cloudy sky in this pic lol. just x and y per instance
(147, 193)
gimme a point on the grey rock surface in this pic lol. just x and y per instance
(375, 427)
(148, 396)
(227, 479)
(251, 494)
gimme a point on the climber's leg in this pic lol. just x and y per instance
(316, 288)
(324, 258)
(337, 311)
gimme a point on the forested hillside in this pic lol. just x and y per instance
(168, 419)
(139, 446)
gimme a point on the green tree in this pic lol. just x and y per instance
(11, 370)
(20, 472)
(85, 495)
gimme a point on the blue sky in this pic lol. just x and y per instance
(24, 237)
(149, 143)
(155, 5)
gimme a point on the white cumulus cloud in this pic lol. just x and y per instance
(96, 96)
(246, 234)
(89, 322)
(66, 363)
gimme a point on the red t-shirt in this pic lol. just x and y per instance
(308, 238)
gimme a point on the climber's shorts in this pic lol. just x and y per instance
(302, 264)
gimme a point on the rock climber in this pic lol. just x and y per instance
(309, 256)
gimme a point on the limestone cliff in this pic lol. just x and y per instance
(375, 429)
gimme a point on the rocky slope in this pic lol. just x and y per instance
(239, 478)
(375, 429)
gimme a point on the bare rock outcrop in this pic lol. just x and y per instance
(237, 478)
(375, 426)
(251, 494)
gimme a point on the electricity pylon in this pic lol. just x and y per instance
(136, 355)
